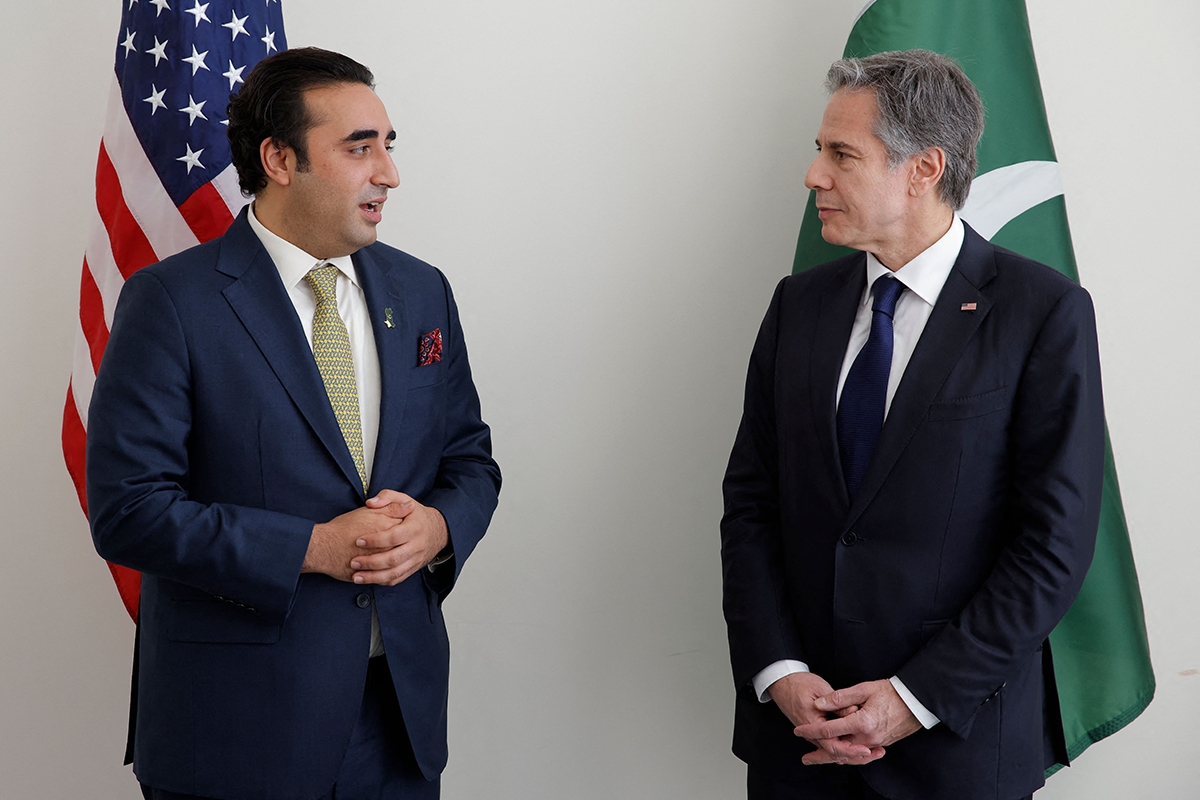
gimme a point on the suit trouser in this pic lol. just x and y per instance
(379, 762)
(828, 782)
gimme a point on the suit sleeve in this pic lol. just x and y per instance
(467, 487)
(1051, 516)
(760, 625)
(139, 425)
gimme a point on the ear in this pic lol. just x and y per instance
(927, 169)
(279, 162)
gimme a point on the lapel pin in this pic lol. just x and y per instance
(387, 318)
(964, 307)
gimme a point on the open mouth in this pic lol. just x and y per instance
(374, 210)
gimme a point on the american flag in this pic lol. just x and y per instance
(164, 181)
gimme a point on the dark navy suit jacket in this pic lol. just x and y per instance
(969, 537)
(212, 451)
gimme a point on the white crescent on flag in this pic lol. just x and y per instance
(1002, 195)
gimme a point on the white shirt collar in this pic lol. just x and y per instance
(926, 274)
(292, 262)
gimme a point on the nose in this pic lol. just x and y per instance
(385, 171)
(816, 177)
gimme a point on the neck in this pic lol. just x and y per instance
(917, 238)
(270, 215)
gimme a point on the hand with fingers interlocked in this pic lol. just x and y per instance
(797, 695)
(867, 716)
(383, 542)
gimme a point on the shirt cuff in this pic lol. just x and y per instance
(923, 714)
(780, 669)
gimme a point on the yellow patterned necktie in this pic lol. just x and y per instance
(331, 348)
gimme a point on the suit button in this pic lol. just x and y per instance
(363, 600)
(849, 538)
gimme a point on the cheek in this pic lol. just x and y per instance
(855, 197)
(879, 198)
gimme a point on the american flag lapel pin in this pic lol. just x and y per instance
(967, 307)
(387, 318)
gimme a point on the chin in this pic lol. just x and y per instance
(830, 236)
(362, 241)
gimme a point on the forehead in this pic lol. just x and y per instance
(346, 107)
(850, 118)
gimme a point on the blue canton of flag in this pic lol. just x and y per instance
(177, 66)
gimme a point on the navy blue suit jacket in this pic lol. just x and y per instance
(969, 537)
(212, 451)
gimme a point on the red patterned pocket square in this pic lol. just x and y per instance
(430, 348)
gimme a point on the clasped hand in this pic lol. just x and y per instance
(849, 726)
(383, 542)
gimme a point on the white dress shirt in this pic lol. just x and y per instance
(293, 264)
(923, 278)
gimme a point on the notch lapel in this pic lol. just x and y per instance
(261, 302)
(397, 348)
(835, 320)
(937, 353)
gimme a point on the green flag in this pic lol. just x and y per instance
(1101, 655)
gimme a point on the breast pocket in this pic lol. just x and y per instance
(428, 375)
(970, 407)
(431, 356)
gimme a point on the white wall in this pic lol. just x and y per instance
(613, 187)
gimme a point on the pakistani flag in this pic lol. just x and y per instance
(1101, 656)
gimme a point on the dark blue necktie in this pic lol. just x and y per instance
(864, 395)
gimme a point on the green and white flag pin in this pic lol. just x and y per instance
(1100, 651)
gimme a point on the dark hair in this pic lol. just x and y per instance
(270, 105)
(925, 100)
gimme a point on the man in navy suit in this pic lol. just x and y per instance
(912, 498)
(294, 558)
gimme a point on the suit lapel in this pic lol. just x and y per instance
(937, 352)
(835, 320)
(384, 289)
(261, 302)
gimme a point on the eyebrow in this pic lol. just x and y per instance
(837, 146)
(368, 133)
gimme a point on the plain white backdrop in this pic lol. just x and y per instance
(613, 188)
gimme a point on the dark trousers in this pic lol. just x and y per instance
(379, 763)
(828, 782)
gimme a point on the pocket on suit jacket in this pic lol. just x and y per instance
(217, 621)
(976, 405)
(929, 629)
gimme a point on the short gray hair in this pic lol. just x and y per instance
(925, 100)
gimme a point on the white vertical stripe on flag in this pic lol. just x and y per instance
(227, 186)
(103, 266)
(863, 10)
(82, 376)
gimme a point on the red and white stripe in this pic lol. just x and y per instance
(133, 224)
